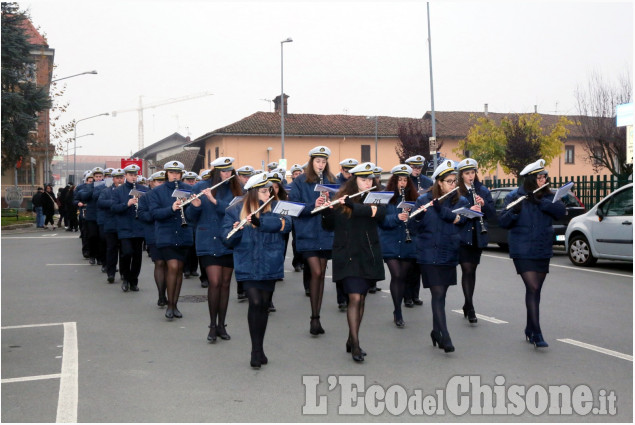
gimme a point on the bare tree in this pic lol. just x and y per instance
(414, 139)
(604, 142)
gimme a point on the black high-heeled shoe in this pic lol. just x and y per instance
(349, 347)
(222, 333)
(256, 361)
(539, 341)
(398, 320)
(528, 336)
(447, 343)
(471, 316)
(436, 339)
(211, 336)
(356, 353)
(316, 326)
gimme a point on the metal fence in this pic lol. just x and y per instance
(589, 189)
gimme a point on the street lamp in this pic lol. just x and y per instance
(370, 118)
(288, 40)
(75, 141)
(76, 75)
(67, 149)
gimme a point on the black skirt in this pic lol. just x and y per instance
(433, 275)
(540, 265)
(155, 253)
(326, 253)
(174, 253)
(264, 285)
(470, 254)
(357, 285)
(223, 260)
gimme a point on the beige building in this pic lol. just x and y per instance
(255, 140)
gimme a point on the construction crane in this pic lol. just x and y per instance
(143, 107)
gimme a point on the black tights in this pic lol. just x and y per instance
(438, 308)
(173, 280)
(468, 282)
(533, 285)
(257, 316)
(354, 315)
(316, 285)
(219, 279)
(398, 272)
(160, 272)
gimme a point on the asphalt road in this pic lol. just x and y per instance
(76, 348)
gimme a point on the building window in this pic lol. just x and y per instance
(216, 152)
(569, 154)
(597, 156)
(365, 153)
(467, 153)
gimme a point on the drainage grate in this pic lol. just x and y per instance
(193, 299)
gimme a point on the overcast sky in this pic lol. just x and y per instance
(356, 58)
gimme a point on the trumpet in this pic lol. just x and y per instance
(429, 204)
(339, 201)
(198, 195)
(522, 198)
(483, 225)
(244, 220)
(403, 198)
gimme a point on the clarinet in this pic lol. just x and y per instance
(136, 206)
(483, 225)
(183, 221)
(403, 199)
(322, 182)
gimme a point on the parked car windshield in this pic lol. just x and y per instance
(620, 204)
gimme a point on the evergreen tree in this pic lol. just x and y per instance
(22, 100)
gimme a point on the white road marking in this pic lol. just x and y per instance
(486, 318)
(31, 378)
(580, 269)
(82, 264)
(68, 396)
(39, 237)
(598, 349)
(31, 326)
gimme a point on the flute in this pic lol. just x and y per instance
(244, 220)
(198, 195)
(522, 198)
(339, 201)
(429, 204)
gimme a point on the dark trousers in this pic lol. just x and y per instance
(413, 277)
(191, 261)
(112, 252)
(102, 244)
(72, 220)
(91, 230)
(203, 276)
(297, 257)
(342, 298)
(83, 234)
(131, 255)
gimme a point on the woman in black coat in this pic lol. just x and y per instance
(71, 209)
(357, 259)
(48, 205)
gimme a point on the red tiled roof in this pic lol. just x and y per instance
(33, 36)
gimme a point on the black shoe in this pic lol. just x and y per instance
(408, 303)
(436, 339)
(92, 261)
(528, 336)
(99, 263)
(471, 316)
(169, 313)
(263, 358)
(307, 292)
(204, 284)
(194, 274)
(417, 301)
(222, 333)
(272, 307)
(242, 296)
(186, 275)
(372, 290)
(134, 287)
(297, 268)
(211, 336)
(342, 306)
(316, 326)
(256, 361)
(177, 313)
(103, 269)
(125, 285)
(447, 344)
(398, 320)
(349, 347)
(162, 302)
(539, 341)
(111, 279)
(356, 353)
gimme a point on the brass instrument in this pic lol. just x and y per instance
(522, 198)
(403, 199)
(244, 220)
(483, 225)
(198, 195)
(429, 204)
(339, 201)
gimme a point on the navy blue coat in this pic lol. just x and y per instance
(167, 223)
(100, 211)
(421, 181)
(392, 235)
(209, 219)
(145, 217)
(436, 235)
(76, 199)
(308, 227)
(87, 195)
(104, 203)
(127, 225)
(340, 179)
(258, 251)
(474, 224)
(531, 231)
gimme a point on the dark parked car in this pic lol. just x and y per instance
(498, 235)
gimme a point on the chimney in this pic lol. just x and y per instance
(535, 109)
(276, 103)
(486, 109)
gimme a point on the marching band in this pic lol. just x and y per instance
(238, 220)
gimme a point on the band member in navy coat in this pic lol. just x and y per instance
(437, 238)
(474, 232)
(105, 203)
(530, 224)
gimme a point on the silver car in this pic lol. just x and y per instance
(604, 232)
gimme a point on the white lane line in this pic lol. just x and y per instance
(486, 318)
(82, 264)
(31, 378)
(39, 237)
(598, 349)
(568, 267)
(68, 395)
(31, 326)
